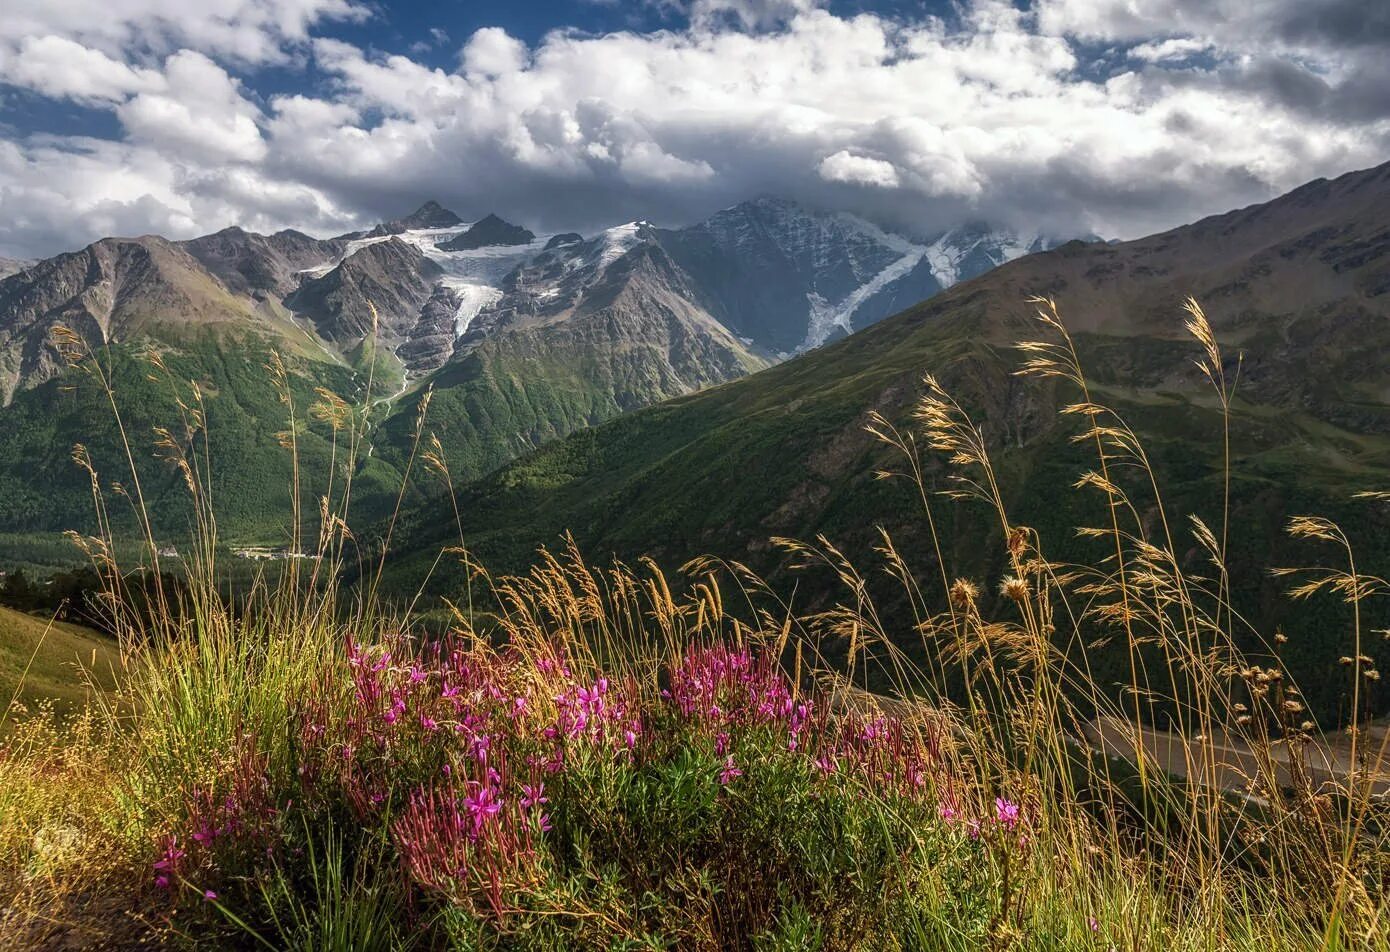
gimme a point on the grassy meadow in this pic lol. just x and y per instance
(608, 757)
(54, 662)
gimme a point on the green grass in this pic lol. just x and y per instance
(44, 661)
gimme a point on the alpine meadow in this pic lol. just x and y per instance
(807, 475)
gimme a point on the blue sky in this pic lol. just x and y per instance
(1117, 117)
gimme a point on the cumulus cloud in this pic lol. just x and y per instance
(1000, 114)
(845, 166)
(490, 52)
(62, 69)
(200, 115)
(246, 31)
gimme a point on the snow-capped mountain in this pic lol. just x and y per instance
(792, 279)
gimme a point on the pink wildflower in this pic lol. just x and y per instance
(482, 806)
(533, 795)
(1006, 813)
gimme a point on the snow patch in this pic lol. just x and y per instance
(472, 299)
(616, 242)
(474, 275)
(825, 317)
(946, 253)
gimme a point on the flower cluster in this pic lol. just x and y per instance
(228, 822)
(454, 755)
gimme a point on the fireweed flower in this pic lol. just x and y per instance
(533, 795)
(482, 806)
(168, 863)
(1006, 813)
(472, 709)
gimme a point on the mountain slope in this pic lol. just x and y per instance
(1301, 285)
(262, 265)
(520, 339)
(584, 333)
(238, 445)
(54, 662)
(391, 276)
(113, 289)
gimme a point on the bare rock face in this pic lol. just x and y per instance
(392, 276)
(262, 265)
(430, 341)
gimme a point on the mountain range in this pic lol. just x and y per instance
(518, 338)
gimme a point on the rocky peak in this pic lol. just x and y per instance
(429, 215)
(249, 263)
(488, 233)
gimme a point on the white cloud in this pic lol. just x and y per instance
(248, 31)
(60, 68)
(844, 166)
(1162, 51)
(490, 52)
(201, 115)
(917, 124)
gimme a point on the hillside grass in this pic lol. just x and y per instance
(51, 662)
(615, 758)
(786, 453)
